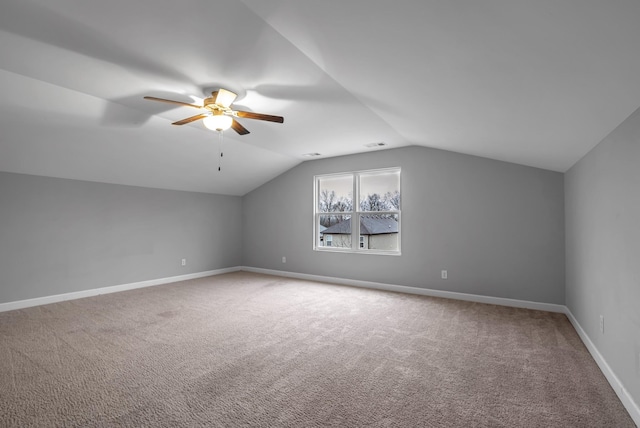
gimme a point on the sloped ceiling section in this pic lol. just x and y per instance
(532, 82)
(537, 83)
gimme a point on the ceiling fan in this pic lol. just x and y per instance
(217, 113)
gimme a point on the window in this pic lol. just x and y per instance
(371, 224)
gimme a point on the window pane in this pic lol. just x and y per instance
(358, 211)
(380, 232)
(380, 191)
(335, 193)
(335, 231)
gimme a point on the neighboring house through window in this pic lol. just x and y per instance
(372, 225)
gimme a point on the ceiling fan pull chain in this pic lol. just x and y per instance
(219, 150)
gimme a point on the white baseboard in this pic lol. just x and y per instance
(549, 307)
(631, 406)
(20, 304)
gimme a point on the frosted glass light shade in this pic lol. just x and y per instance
(218, 122)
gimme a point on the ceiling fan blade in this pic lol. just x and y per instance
(190, 119)
(260, 116)
(223, 97)
(172, 102)
(239, 128)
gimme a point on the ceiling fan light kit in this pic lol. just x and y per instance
(218, 122)
(217, 113)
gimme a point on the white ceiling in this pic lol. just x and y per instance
(537, 83)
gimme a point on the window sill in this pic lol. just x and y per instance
(351, 251)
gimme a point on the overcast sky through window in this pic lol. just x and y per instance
(379, 183)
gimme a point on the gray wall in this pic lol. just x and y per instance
(59, 236)
(602, 194)
(498, 228)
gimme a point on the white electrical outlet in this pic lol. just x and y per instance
(444, 274)
(184, 262)
(602, 324)
(284, 259)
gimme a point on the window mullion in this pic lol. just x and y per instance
(355, 218)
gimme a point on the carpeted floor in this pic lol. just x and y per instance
(245, 349)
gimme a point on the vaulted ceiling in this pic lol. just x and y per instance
(537, 83)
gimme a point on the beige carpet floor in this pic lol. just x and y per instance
(245, 349)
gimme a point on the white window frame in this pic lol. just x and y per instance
(355, 214)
